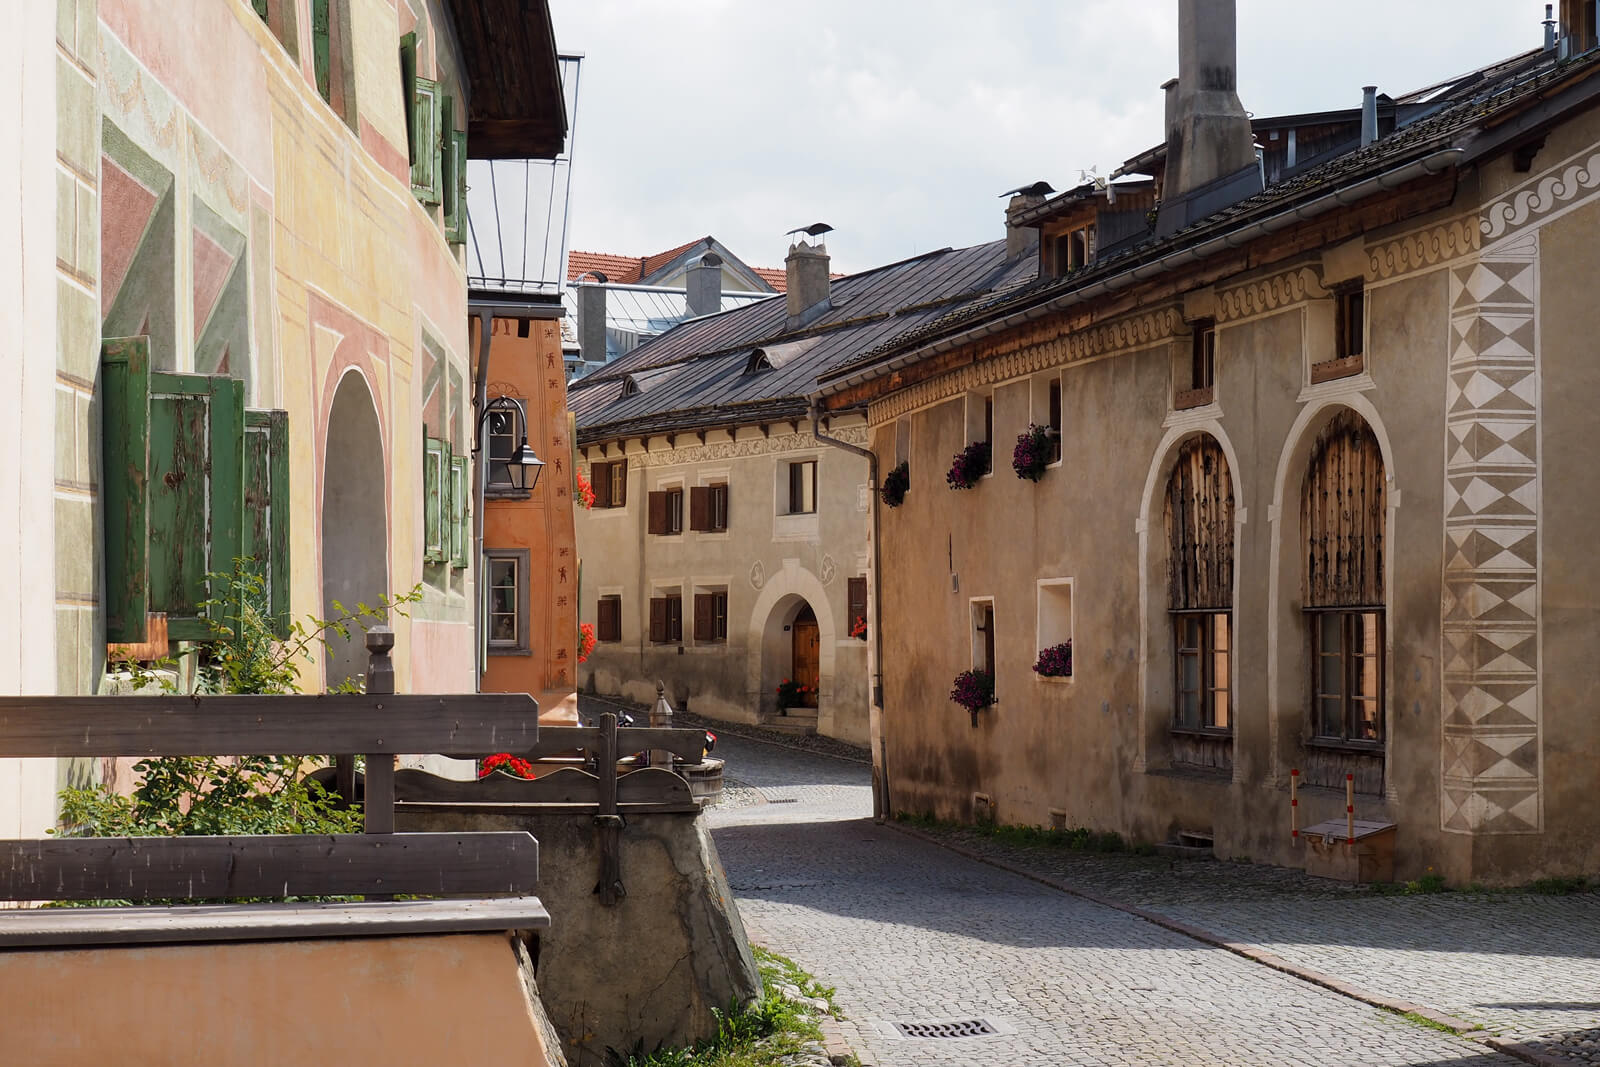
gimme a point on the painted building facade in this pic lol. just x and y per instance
(255, 317)
(1321, 508)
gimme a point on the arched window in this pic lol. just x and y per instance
(1342, 514)
(1199, 521)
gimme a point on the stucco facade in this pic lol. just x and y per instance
(770, 565)
(1477, 386)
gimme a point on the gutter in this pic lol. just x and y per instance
(880, 778)
(480, 397)
(1433, 163)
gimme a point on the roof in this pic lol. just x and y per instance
(644, 270)
(746, 365)
(1461, 126)
(508, 50)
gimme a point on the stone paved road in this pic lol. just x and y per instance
(911, 932)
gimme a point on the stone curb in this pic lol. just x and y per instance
(834, 1044)
(1460, 1027)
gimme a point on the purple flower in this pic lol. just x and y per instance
(970, 464)
(1055, 661)
(973, 690)
(1033, 453)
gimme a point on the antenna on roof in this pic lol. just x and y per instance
(1036, 189)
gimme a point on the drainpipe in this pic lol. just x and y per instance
(880, 772)
(480, 397)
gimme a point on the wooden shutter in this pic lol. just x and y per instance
(261, 8)
(455, 222)
(619, 483)
(700, 508)
(408, 92)
(1342, 514)
(658, 619)
(705, 617)
(600, 481)
(658, 515)
(322, 47)
(266, 510)
(675, 618)
(435, 548)
(459, 510)
(173, 457)
(1199, 520)
(425, 141)
(608, 619)
(857, 588)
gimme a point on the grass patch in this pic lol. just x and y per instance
(1075, 839)
(1559, 887)
(760, 1035)
(1418, 1019)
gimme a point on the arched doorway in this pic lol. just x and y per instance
(355, 534)
(805, 651)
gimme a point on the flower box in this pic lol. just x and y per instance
(1055, 661)
(895, 484)
(970, 464)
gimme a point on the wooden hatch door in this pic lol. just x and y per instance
(807, 654)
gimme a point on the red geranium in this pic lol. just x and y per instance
(506, 763)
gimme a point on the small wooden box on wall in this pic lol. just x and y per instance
(1368, 857)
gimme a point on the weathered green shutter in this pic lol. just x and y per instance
(425, 141)
(261, 8)
(433, 489)
(125, 428)
(322, 48)
(266, 509)
(458, 511)
(455, 217)
(194, 484)
(408, 91)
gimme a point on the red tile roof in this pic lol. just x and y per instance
(773, 276)
(627, 270)
(661, 259)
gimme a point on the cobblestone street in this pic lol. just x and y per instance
(914, 933)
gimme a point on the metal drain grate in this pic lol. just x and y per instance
(783, 800)
(959, 1028)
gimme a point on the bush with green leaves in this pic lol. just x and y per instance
(187, 795)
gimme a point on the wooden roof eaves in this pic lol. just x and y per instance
(689, 420)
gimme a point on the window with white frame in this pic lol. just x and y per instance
(798, 491)
(983, 636)
(1054, 628)
(507, 579)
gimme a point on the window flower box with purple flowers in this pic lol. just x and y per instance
(1033, 453)
(1055, 661)
(895, 484)
(973, 690)
(970, 464)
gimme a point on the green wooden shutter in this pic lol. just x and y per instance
(261, 8)
(452, 168)
(425, 139)
(408, 92)
(321, 48)
(434, 487)
(194, 491)
(455, 219)
(266, 509)
(458, 511)
(125, 428)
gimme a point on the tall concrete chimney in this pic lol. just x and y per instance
(1213, 139)
(703, 285)
(806, 274)
(1369, 114)
(592, 319)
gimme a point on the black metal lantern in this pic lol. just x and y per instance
(523, 465)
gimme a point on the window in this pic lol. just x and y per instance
(666, 511)
(666, 618)
(1204, 647)
(857, 597)
(708, 508)
(279, 17)
(197, 482)
(507, 580)
(1199, 522)
(1350, 323)
(983, 635)
(802, 497)
(1055, 420)
(1347, 675)
(444, 504)
(610, 481)
(1055, 628)
(711, 616)
(1196, 381)
(1342, 519)
(988, 431)
(505, 433)
(331, 61)
(608, 618)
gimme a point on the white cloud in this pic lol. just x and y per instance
(901, 121)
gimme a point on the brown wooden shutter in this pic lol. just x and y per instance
(1342, 514)
(608, 619)
(675, 618)
(858, 600)
(619, 482)
(658, 619)
(705, 617)
(1199, 520)
(658, 513)
(700, 507)
(600, 482)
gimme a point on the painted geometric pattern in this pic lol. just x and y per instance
(1490, 751)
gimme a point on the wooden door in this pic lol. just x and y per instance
(807, 655)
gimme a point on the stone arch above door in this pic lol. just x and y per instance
(781, 597)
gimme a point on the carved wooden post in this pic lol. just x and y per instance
(608, 824)
(661, 717)
(380, 765)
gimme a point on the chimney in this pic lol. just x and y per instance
(1021, 240)
(1549, 28)
(1369, 114)
(1213, 137)
(806, 271)
(703, 285)
(592, 319)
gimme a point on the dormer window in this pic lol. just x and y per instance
(1074, 250)
(757, 363)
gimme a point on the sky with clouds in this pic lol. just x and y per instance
(901, 121)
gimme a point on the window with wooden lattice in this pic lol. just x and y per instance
(1199, 525)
